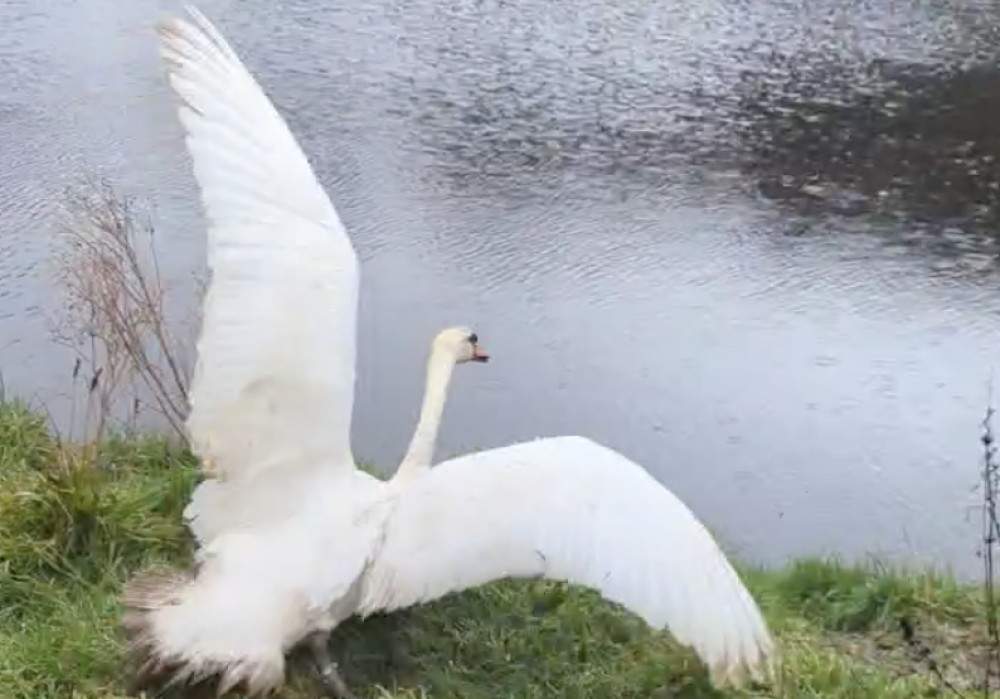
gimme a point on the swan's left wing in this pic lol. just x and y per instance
(570, 509)
(273, 387)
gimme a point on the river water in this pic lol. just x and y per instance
(748, 244)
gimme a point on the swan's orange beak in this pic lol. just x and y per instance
(479, 354)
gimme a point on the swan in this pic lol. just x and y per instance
(292, 538)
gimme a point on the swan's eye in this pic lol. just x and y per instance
(473, 338)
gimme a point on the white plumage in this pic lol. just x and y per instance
(272, 392)
(567, 508)
(278, 320)
(293, 538)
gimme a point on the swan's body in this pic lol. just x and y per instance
(293, 538)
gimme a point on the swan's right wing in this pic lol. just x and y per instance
(570, 509)
(274, 381)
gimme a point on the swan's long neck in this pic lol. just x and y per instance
(418, 456)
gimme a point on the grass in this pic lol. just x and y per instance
(74, 523)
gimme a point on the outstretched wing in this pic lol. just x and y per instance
(274, 380)
(570, 509)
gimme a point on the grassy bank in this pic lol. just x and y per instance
(70, 533)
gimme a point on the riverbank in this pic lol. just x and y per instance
(70, 533)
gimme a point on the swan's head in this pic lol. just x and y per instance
(460, 343)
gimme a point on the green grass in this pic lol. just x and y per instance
(71, 532)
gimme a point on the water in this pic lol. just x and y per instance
(747, 244)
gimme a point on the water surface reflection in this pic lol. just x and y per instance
(748, 244)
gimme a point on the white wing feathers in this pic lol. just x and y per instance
(569, 509)
(274, 380)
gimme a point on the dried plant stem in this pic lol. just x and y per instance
(991, 534)
(115, 317)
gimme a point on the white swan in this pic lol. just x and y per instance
(293, 537)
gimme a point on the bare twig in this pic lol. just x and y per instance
(991, 530)
(115, 317)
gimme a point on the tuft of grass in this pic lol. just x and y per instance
(858, 599)
(75, 521)
(80, 512)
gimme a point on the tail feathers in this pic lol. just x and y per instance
(172, 641)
